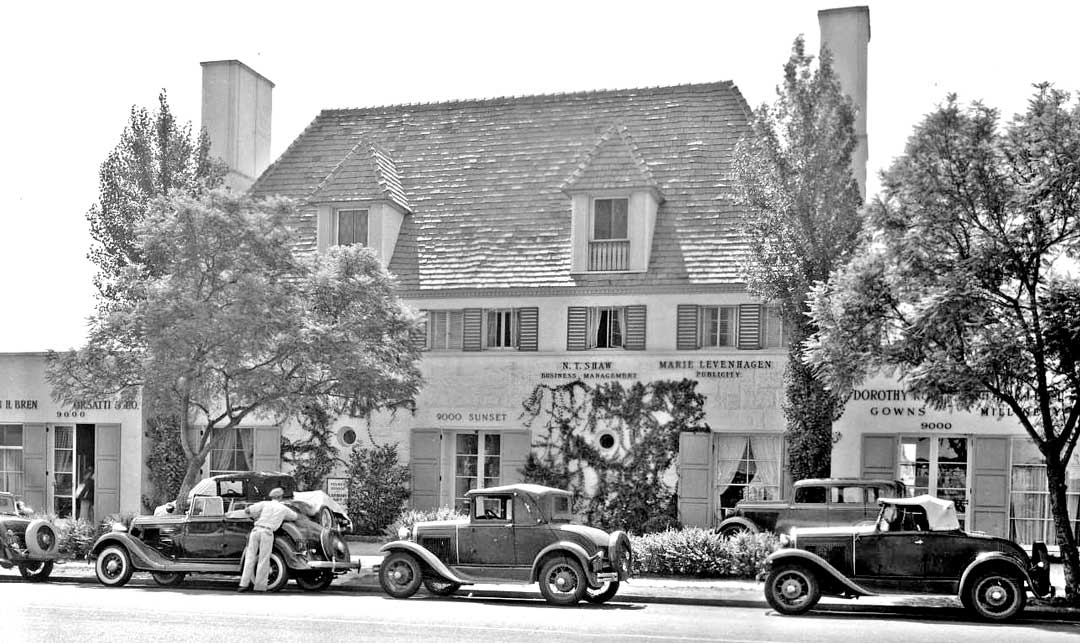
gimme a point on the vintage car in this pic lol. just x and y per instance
(209, 540)
(817, 502)
(242, 489)
(915, 547)
(517, 533)
(29, 544)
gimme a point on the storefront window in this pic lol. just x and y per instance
(477, 461)
(747, 467)
(937, 466)
(234, 451)
(11, 458)
(1030, 517)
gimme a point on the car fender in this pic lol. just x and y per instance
(143, 557)
(817, 562)
(563, 546)
(995, 559)
(739, 522)
(422, 552)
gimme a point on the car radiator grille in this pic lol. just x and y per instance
(438, 546)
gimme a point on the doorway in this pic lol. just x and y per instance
(71, 450)
(939, 466)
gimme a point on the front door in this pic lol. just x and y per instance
(71, 470)
(939, 466)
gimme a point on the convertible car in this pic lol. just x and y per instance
(514, 534)
(915, 547)
(30, 545)
(207, 539)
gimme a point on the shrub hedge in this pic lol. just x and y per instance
(75, 537)
(409, 517)
(701, 553)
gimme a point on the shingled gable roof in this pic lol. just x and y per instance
(367, 173)
(613, 163)
(485, 180)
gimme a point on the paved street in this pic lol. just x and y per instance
(86, 611)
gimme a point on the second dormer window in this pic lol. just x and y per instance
(352, 227)
(609, 247)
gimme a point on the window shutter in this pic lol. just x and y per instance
(266, 456)
(34, 459)
(419, 333)
(635, 328)
(528, 328)
(107, 470)
(425, 446)
(577, 328)
(474, 329)
(749, 326)
(687, 337)
(697, 478)
(516, 446)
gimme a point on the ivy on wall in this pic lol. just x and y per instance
(612, 446)
(166, 464)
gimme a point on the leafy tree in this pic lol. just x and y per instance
(155, 155)
(962, 291)
(235, 327)
(378, 487)
(794, 177)
(314, 456)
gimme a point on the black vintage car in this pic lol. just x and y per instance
(915, 547)
(207, 539)
(29, 544)
(514, 534)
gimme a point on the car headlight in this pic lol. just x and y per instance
(118, 526)
(785, 540)
(403, 533)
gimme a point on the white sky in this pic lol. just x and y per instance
(72, 72)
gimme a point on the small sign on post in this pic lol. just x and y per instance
(338, 489)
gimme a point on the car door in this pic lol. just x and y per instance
(531, 532)
(488, 540)
(809, 509)
(204, 529)
(891, 558)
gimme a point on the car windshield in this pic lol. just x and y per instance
(7, 505)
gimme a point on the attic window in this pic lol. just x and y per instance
(609, 219)
(352, 227)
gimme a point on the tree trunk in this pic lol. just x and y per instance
(1066, 536)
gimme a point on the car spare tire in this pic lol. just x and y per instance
(41, 539)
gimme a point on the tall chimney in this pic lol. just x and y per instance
(846, 32)
(236, 104)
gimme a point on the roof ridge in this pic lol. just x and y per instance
(556, 96)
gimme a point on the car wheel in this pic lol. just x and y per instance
(995, 596)
(792, 589)
(36, 572)
(602, 594)
(563, 582)
(279, 573)
(113, 566)
(41, 539)
(733, 530)
(168, 579)
(314, 581)
(440, 586)
(400, 575)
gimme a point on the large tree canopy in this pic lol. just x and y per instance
(229, 325)
(965, 288)
(795, 179)
(155, 155)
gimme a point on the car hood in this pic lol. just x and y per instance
(598, 536)
(17, 524)
(832, 531)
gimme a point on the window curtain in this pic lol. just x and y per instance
(730, 450)
(765, 451)
(594, 327)
(615, 332)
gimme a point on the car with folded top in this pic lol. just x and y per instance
(25, 542)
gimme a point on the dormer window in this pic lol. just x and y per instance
(352, 227)
(609, 247)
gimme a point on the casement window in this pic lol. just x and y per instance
(603, 327)
(1031, 519)
(234, 451)
(774, 332)
(719, 327)
(609, 241)
(748, 468)
(11, 458)
(503, 327)
(445, 329)
(477, 463)
(352, 227)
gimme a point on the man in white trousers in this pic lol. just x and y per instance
(268, 515)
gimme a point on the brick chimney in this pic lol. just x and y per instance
(846, 33)
(236, 104)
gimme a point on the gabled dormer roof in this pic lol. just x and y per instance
(613, 163)
(367, 173)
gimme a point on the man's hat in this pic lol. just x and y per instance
(276, 493)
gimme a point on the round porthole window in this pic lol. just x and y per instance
(347, 436)
(607, 441)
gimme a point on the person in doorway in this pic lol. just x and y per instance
(84, 495)
(268, 515)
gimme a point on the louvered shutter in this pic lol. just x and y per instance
(635, 328)
(528, 328)
(34, 466)
(107, 469)
(474, 329)
(687, 337)
(266, 454)
(419, 333)
(577, 328)
(749, 326)
(425, 449)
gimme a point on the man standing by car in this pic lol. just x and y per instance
(268, 515)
